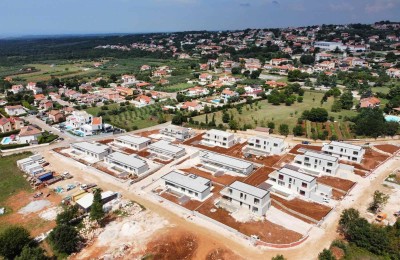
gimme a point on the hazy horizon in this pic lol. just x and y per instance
(82, 17)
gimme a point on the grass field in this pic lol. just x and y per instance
(47, 71)
(264, 112)
(137, 118)
(11, 179)
(384, 90)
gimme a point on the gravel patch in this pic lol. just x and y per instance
(34, 206)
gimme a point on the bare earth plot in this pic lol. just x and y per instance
(340, 186)
(313, 210)
(295, 149)
(265, 230)
(388, 148)
(371, 160)
(259, 176)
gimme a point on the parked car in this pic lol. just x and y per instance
(380, 217)
(306, 142)
(397, 214)
(38, 194)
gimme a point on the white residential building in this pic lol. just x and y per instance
(219, 162)
(177, 132)
(254, 199)
(220, 138)
(78, 119)
(264, 145)
(292, 181)
(191, 185)
(166, 150)
(316, 163)
(131, 163)
(94, 150)
(345, 151)
(15, 110)
(133, 142)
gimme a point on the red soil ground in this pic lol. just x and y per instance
(105, 141)
(190, 205)
(295, 149)
(371, 160)
(148, 133)
(310, 209)
(337, 183)
(259, 176)
(267, 231)
(32, 222)
(388, 148)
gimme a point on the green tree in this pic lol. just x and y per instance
(346, 99)
(233, 125)
(64, 239)
(369, 122)
(180, 97)
(68, 214)
(178, 119)
(271, 125)
(307, 59)
(12, 240)
(326, 254)
(391, 128)
(348, 217)
(379, 200)
(96, 210)
(32, 253)
(225, 117)
(284, 129)
(278, 257)
(298, 130)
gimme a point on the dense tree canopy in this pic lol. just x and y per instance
(13, 240)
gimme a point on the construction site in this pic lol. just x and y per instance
(291, 202)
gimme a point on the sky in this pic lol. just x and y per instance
(40, 17)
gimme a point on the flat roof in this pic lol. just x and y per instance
(321, 156)
(346, 145)
(268, 138)
(249, 189)
(227, 160)
(190, 181)
(92, 147)
(87, 200)
(130, 160)
(133, 139)
(219, 132)
(166, 146)
(176, 127)
(296, 174)
(25, 160)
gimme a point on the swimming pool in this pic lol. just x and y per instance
(68, 127)
(79, 132)
(391, 118)
(215, 101)
(6, 140)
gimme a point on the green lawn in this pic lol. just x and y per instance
(264, 112)
(11, 179)
(384, 90)
(47, 71)
(175, 87)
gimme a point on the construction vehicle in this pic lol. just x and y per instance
(380, 217)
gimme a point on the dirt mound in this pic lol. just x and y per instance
(222, 254)
(173, 247)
